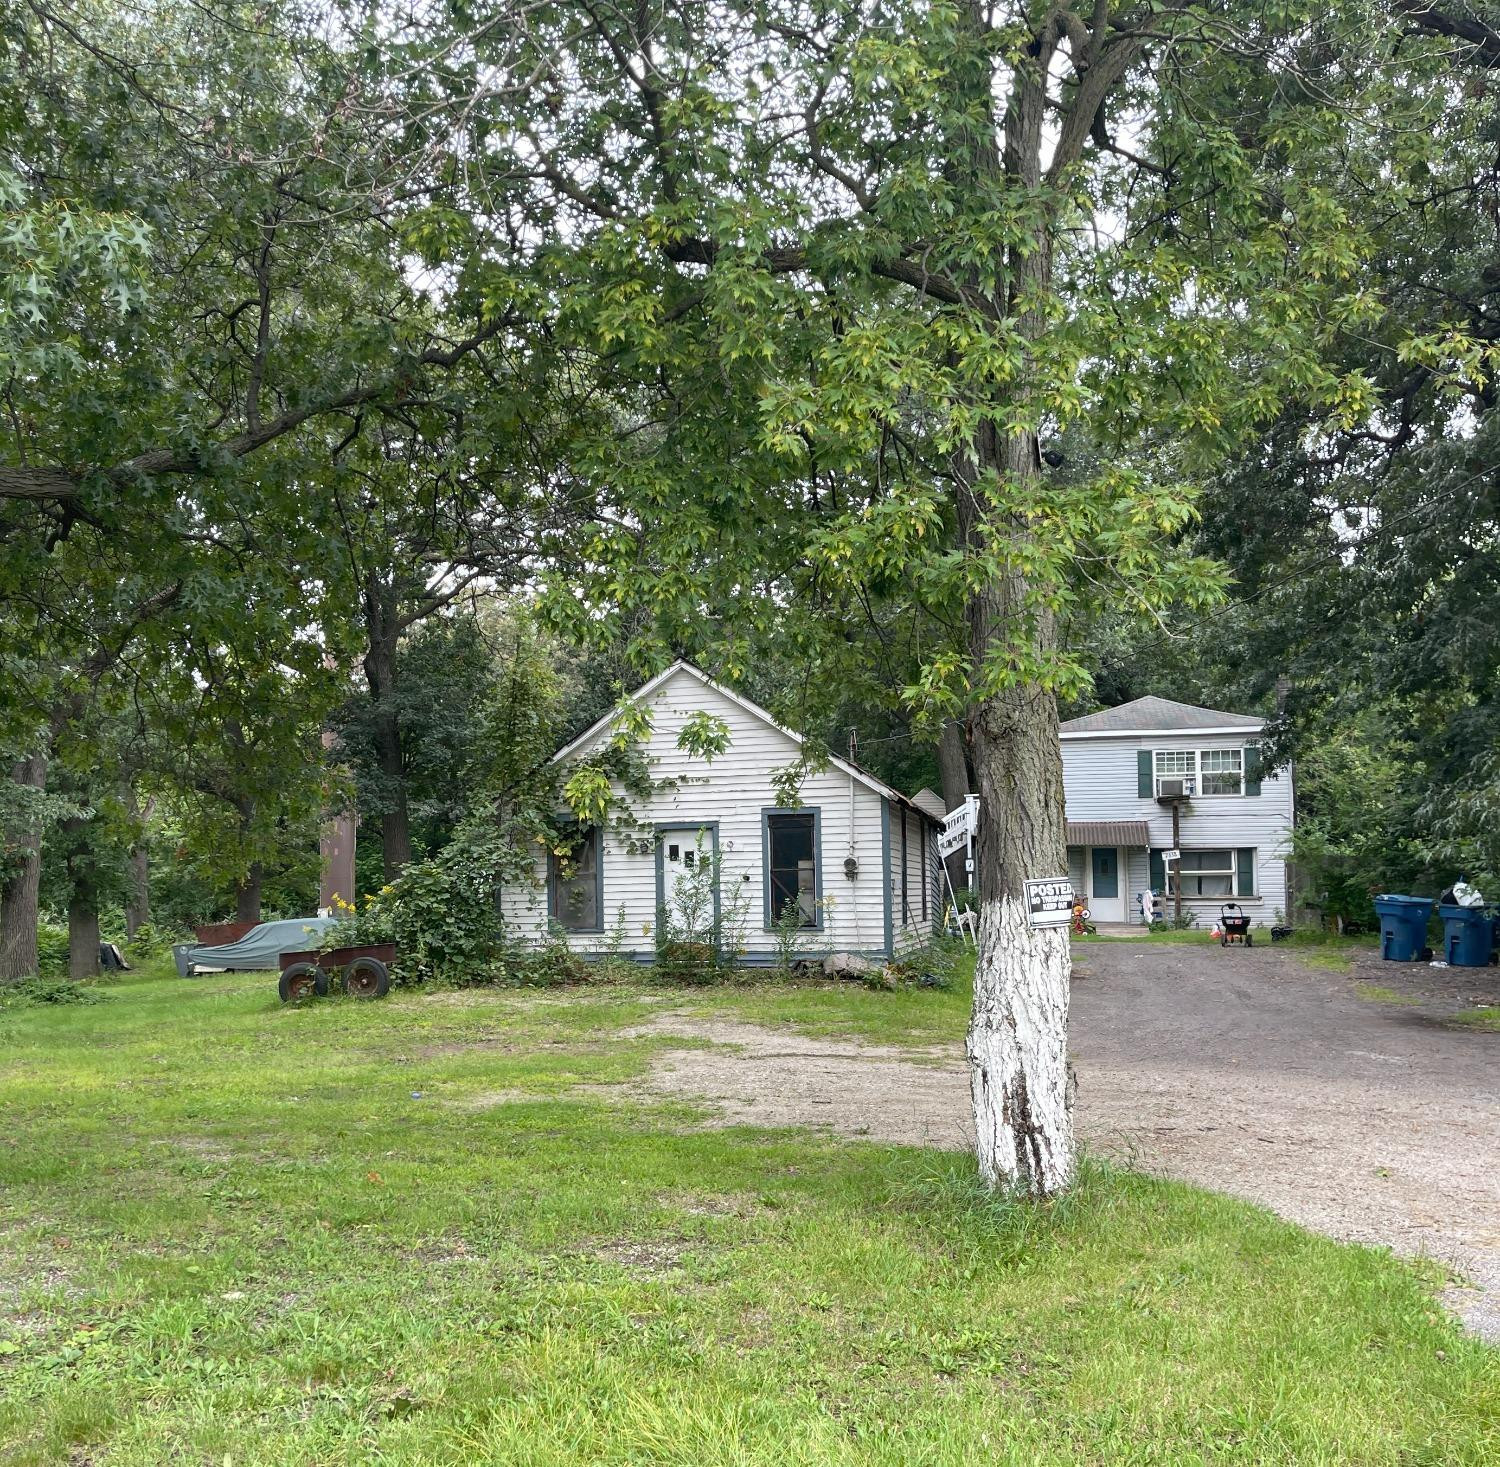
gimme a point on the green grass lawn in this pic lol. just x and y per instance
(399, 1233)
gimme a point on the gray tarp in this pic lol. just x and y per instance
(258, 949)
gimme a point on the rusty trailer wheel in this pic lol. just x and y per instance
(302, 980)
(367, 978)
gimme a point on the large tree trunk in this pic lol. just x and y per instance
(953, 771)
(83, 931)
(137, 868)
(83, 898)
(22, 884)
(247, 894)
(380, 678)
(1017, 1044)
(138, 890)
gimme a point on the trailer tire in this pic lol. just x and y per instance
(302, 980)
(367, 978)
(1249, 941)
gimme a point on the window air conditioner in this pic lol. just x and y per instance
(1183, 787)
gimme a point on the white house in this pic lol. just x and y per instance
(855, 857)
(1124, 770)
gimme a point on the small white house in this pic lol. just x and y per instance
(1124, 770)
(854, 857)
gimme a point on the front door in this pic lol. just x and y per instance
(1105, 902)
(687, 882)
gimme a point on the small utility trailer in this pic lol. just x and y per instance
(364, 972)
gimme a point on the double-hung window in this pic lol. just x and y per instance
(574, 883)
(1206, 873)
(1221, 771)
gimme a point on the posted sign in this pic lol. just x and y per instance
(1049, 903)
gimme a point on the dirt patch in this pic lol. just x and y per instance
(1245, 1072)
(648, 1259)
(760, 1077)
(494, 1099)
(482, 1045)
(1441, 991)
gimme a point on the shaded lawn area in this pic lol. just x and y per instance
(400, 1233)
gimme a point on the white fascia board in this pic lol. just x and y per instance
(1160, 733)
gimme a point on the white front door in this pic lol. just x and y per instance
(1106, 884)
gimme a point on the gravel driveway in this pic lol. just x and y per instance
(1247, 1072)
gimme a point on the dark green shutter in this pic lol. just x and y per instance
(1244, 866)
(1252, 769)
(1158, 872)
(1143, 785)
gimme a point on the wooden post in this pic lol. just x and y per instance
(1177, 846)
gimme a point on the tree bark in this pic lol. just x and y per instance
(138, 868)
(1017, 1043)
(953, 772)
(138, 900)
(83, 931)
(247, 894)
(21, 886)
(380, 679)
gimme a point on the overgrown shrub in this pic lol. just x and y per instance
(440, 913)
(150, 941)
(933, 965)
(51, 950)
(49, 990)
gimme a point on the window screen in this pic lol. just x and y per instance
(573, 884)
(792, 860)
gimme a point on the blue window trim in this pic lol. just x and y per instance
(598, 887)
(885, 875)
(661, 826)
(766, 812)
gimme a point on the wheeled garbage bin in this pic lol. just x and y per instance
(1468, 935)
(1403, 926)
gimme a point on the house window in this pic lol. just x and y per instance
(1175, 764)
(1207, 873)
(575, 884)
(1204, 771)
(792, 866)
(1222, 771)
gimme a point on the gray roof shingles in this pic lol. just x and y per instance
(1157, 713)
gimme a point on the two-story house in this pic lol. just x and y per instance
(1124, 771)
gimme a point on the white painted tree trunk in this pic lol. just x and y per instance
(1017, 1047)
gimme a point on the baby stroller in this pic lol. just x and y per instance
(1234, 925)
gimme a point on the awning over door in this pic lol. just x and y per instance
(1108, 833)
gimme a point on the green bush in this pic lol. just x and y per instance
(50, 990)
(440, 913)
(51, 950)
(933, 965)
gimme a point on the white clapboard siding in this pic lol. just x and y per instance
(732, 791)
(1101, 783)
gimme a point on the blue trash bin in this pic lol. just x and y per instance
(1403, 926)
(1468, 935)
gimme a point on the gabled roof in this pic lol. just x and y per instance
(1161, 715)
(931, 803)
(648, 687)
